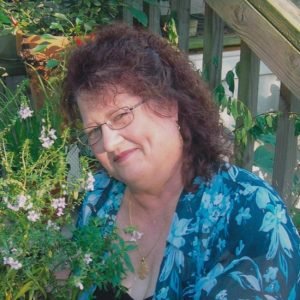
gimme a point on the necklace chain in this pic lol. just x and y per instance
(143, 269)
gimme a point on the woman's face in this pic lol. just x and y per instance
(148, 149)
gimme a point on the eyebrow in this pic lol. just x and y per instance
(108, 115)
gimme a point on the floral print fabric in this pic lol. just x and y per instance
(230, 238)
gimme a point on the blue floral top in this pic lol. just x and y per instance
(230, 239)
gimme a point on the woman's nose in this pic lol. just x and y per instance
(111, 138)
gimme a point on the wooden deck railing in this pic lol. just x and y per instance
(269, 32)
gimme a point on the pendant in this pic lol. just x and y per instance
(143, 269)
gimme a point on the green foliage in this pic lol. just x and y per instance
(170, 30)
(247, 126)
(67, 17)
(230, 81)
(139, 15)
(37, 202)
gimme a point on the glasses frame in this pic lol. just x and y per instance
(108, 123)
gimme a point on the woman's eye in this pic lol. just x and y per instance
(94, 133)
(119, 117)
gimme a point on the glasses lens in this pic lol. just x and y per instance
(121, 118)
(91, 137)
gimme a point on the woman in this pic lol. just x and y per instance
(204, 229)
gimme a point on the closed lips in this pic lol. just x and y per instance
(123, 155)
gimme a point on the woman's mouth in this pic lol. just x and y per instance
(123, 155)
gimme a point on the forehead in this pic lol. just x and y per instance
(97, 106)
(108, 98)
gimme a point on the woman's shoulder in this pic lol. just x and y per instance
(97, 200)
(244, 184)
(241, 178)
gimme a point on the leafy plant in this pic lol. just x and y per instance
(260, 128)
(58, 17)
(42, 254)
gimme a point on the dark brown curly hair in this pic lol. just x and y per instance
(147, 65)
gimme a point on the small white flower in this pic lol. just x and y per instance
(79, 285)
(47, 138)
(47, 142)
(61, 202)
(13, 207)
(58, 202)
(21, 201)
(54, 203)
(51, 224)
(6, 260)
(60, 212)
(90, 182)
(136, 235)
(33, 216)
(25, 112)
(51, 134)
(87, 258)
(14, 264)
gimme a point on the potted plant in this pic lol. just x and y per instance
(38, 239)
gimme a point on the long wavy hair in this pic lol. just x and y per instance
(149, 66)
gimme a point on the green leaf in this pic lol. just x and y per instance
(297, 127)
(139, 15)
(215, 61)
(41, 47)
(248, 119)
(47, 36)
(263, 158)
(4, 19)
(56, 26)
(296, 217)
(25, 288)
(230, 81)
(268, 138)
(172, 31)
(87, 27)
(238, 70)
(244, 136)
(78, 21)
(269, 121)
(234, 109)
(219, 93)
(60, 16)
(52, 63)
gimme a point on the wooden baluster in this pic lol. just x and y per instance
(286, 146)
(182, 9)
(154, 17)
(213, 47)
(248, 94)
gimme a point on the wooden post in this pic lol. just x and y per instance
(182, 9)
(213, 47)
(154, 17)
(286, 146)
(248, 94)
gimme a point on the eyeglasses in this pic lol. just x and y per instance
(117, 120)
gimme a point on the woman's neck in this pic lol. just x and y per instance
(157, 201)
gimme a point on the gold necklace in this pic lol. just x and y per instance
(143, 269)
